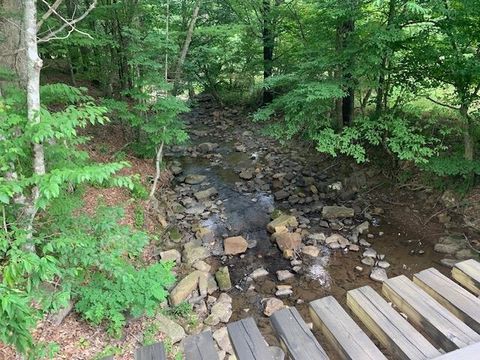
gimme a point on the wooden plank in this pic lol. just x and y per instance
(471, 352)
(247, 341)
(295, 336)
(339, 328)
(151, 352)
(467, 273)
(388, 326)
(423, 310)
(455, 298)
(200, 347)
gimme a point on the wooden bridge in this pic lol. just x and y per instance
(436, 318)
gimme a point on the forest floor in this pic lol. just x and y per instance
(252, 176)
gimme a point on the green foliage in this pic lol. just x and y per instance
(134, 292)
(182, 310)
(139, 216)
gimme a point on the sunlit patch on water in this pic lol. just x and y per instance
(319, 273)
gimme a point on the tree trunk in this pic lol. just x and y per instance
(268, 48)
(348, 103)
(382, 95)
(468, 141)
(186, 45)
(34, 66)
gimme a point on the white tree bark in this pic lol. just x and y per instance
(34, 66)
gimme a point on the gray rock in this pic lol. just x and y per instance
(202, 266)
(222, 339)
(171, 255)
(312, 251)
(194, 179)
(246, 174)
(205, 194)
(336, 212)
(193, 251)
(170, 328)
(369, 261)
(207, 147)
(283, 275)
(281, 195)
(383, 264)
(184, 288)
(258, 273)
(364, 243)
(378, 274)
(370, 253)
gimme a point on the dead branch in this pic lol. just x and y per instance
(67, 24)
(51, 10)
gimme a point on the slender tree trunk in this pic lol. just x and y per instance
(348, 105)
(382, 95)
(468, 141)
(268, 48)
(186, 45)
(34, 66)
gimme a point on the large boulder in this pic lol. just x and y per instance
(281, 222)
(235, 245)
(184, 288)
(336, 212)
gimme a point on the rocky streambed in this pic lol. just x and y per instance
(255, 226)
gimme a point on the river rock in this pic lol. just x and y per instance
(258, 273)
(369, 261)
(378, 274)
(170, 328)
(207, 147)
(235, 245)
(282, 221)
(370, 253)
(283, 275)
(271, 305)
(246, 174)
(383, 264)
(362, 228)
(336, 212)
(205, 194)
(342, 241)
(171, 255)
(184, 288)
(223, 278)
(354, 247)
(281, 195)
(283, 290)
(449, 249)
(310, 250)
(193, 251)
(318, 238)
(290, 241)
(194, 179)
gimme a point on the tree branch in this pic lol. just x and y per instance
(67, 23)
(51, 10)
(442, 104)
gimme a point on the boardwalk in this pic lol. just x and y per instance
(433, 317)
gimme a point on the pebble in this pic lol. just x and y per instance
(259, 273)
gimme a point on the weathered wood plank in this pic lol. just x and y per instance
(247, 341)
(200, 347)
(455, 298)
(295, 336)
(423, 310)
(388, 326)
(471, 352)
(339, 328)
(467, 273)
(151, 352)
